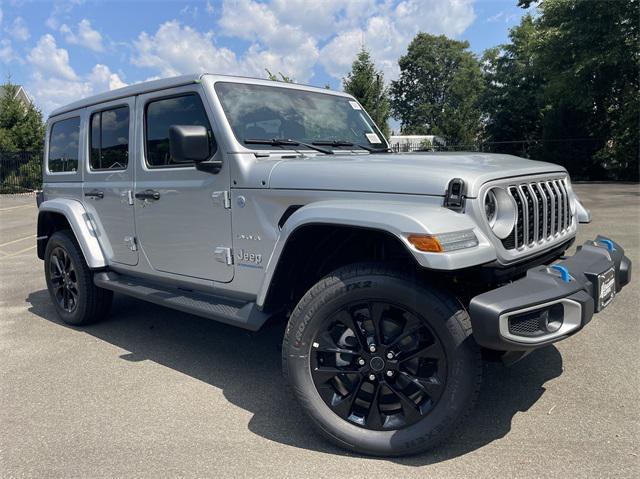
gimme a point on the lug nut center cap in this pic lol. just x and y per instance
(377, 364)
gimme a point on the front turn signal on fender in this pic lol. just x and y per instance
(426, 243)
(444, 242)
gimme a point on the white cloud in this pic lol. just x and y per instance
(48, 59)
(102, 78)
(53, 82)
(209, 8)
(85, 36)
(175, 49)
(19, 30)
(389, 30)
(7, 54)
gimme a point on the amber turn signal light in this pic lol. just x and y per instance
(426, 243)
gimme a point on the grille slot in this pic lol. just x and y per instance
(542, 213)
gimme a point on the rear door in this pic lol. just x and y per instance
(108, 179)
(182, 223)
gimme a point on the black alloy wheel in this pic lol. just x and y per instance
(378, 365)
(64, 279)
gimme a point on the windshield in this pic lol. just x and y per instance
(260, 112)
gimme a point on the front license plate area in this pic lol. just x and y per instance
(606, 288)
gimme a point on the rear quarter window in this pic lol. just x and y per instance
(64, 146)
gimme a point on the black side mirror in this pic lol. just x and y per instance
(189, 143)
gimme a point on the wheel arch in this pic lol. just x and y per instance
(63, 213)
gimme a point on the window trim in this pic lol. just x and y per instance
(77, 116)
(89, 136)
(191, 165)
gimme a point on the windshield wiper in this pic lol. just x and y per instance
(335, 143)
(285, 142)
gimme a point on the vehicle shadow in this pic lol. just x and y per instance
(246, 367)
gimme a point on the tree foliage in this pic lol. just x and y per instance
(283, 78)
(569, 78)
(512, 99)
(438, 89)
(366, 84)
(21, 126)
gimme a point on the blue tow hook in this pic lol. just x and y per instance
(608, 243)
(564, 272)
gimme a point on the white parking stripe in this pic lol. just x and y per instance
(19, 252)
(17, 240)
(16, 207)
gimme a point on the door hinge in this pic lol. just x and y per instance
(221, 198)
(131, 242)
(224, 255)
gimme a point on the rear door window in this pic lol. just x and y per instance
(63, 146)
(110, 139)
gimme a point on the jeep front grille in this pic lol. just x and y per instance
(543, 213)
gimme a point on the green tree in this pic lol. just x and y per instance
(366, 84)
(21, 126)
(588, 51)
(512, 98)
(438, 89)
(282, 78)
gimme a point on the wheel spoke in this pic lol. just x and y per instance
(374, 417)
(410, 409)
(404, 335)
(326, 344)
(348, 320)
(432, 351)
(326, 373)
(375, 314)
(57, 265)
(431, 386)
(344, 406)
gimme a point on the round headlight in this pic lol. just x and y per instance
(500, 211)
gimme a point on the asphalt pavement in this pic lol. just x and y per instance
(157, 393)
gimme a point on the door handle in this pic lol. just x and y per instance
(148, 195)
(94, 194)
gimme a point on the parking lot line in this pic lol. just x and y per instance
(17, 240)
(16, 207)
(20, 252)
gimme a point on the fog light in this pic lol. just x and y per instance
(552, 318)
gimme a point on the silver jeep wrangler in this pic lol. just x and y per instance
(242, 200)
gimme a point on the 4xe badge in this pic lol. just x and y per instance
(247, 257)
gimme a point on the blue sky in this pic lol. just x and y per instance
(64, 50)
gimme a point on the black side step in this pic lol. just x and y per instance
(237, 313)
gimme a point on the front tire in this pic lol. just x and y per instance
(70, 282)
(382, 365)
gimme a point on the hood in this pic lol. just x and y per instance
(408, 173)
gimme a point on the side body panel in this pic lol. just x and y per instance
(180, 232)
(112, 211)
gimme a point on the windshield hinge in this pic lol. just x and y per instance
(454, 197)
(221, 198)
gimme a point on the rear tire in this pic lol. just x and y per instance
(388, 410)
(70, 282)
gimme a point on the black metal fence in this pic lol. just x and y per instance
(20, 172)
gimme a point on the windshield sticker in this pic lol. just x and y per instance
(373, 138)
(354, 105)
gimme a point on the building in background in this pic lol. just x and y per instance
(20, 94)
(416, 142)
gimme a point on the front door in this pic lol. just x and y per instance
(180, 220)
(108, 179)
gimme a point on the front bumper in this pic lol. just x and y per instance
(551, 302)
